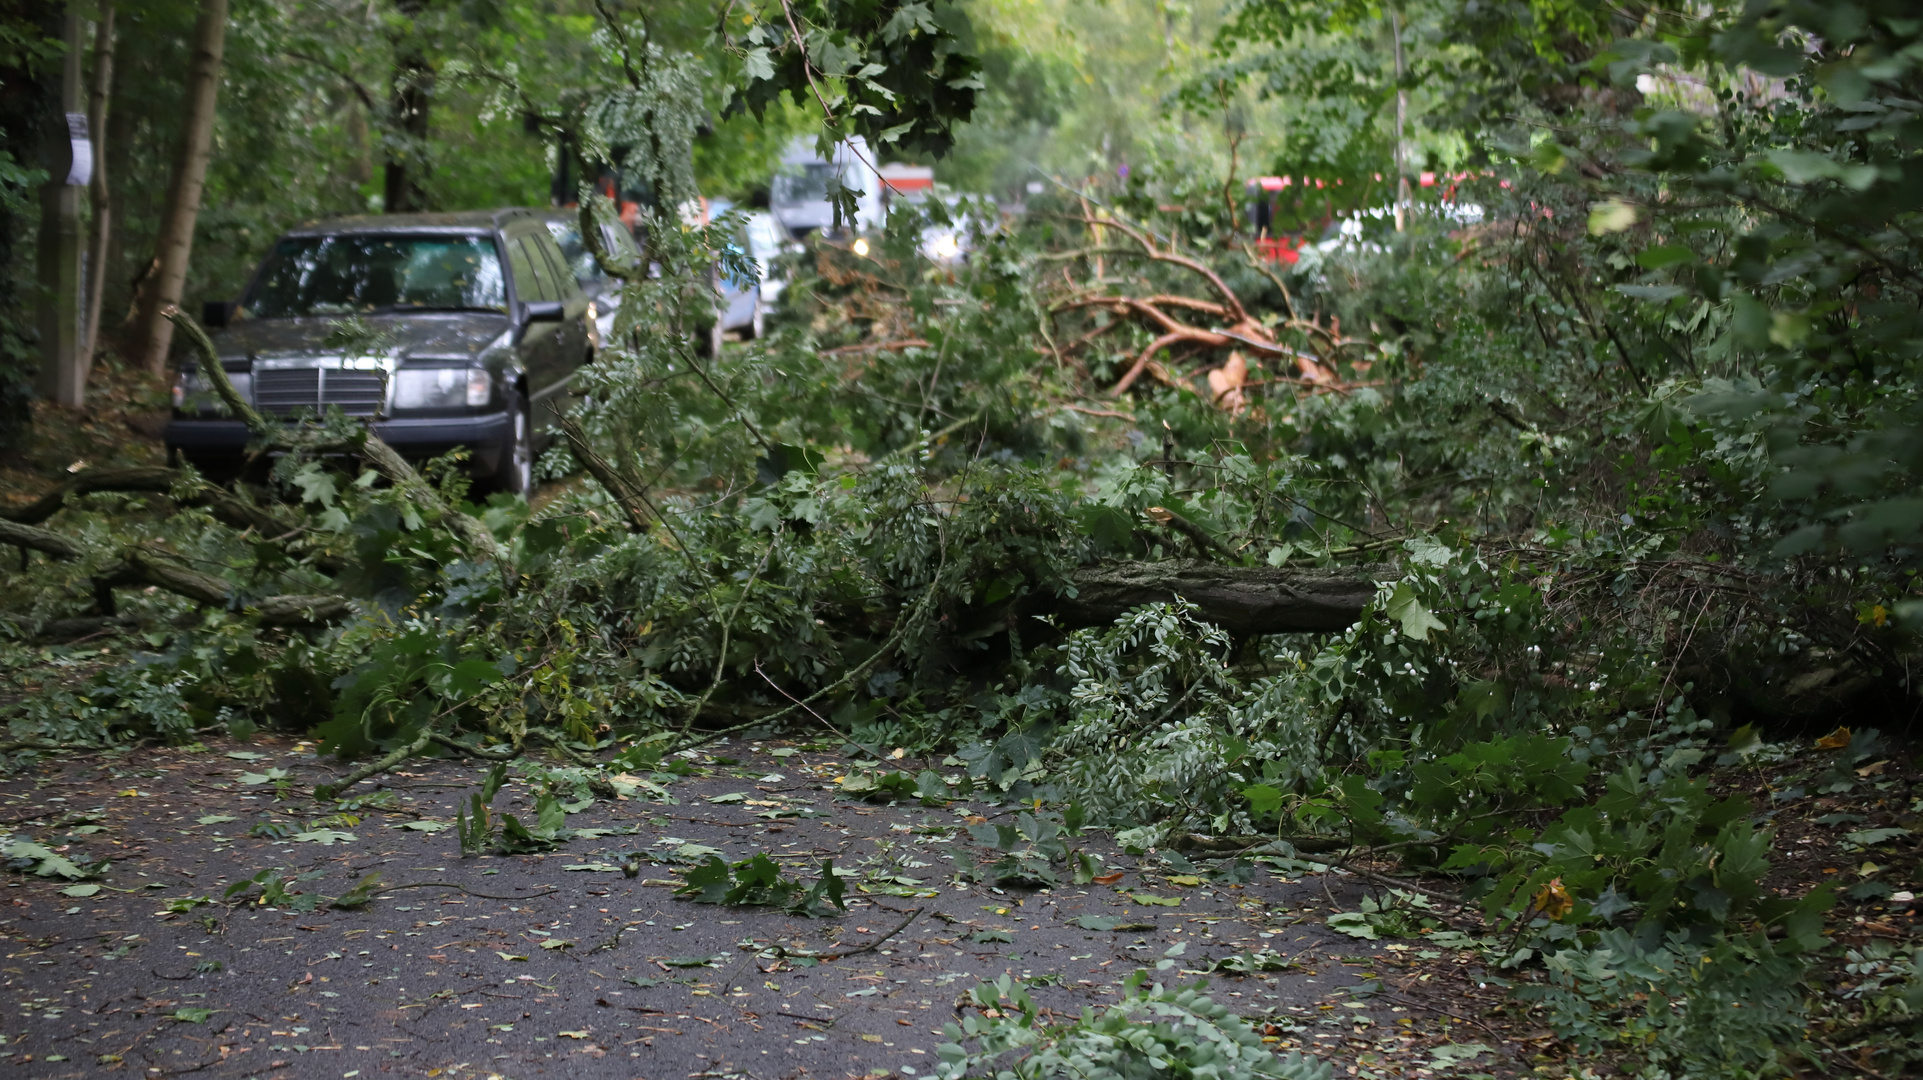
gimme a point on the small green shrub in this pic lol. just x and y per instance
(1153, 1032)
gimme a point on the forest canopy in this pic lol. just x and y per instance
(1472, 445)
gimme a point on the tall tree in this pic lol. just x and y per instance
(176, 241)
(103, 76)
(62, 378)
(412, 99)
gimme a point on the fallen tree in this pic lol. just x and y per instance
(1243, 600)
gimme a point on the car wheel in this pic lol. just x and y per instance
(516, 473)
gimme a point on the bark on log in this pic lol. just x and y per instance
(137, 567)
(147, 478)
(1240, 599)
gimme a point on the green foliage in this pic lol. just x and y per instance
(275, 890)
(1151, 1031)
(1030, 849)
(898, 74)
(757, 882)
(474, 826)
(26, 856)
(1677, 1006)
(1399, 914)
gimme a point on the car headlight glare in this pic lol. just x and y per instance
(441, 388)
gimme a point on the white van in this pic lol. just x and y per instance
(798, 197)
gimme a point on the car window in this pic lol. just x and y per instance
(374, 272)
(579, 260)
(560, 272)
(620, 240)
(532, 275)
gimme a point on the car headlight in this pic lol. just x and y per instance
(442, 388)
(193, 393)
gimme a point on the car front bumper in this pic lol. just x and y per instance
(487, 437)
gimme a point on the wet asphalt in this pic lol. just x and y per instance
(559, 963)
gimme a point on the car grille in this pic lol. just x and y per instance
(356, 393)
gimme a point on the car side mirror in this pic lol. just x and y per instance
(215, 314)
(542, 311)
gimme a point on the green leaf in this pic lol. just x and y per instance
(324, 837)
(1407, 610)
(47, 863)
(254, 779)
(1154, 900)
(695, 961)
(1263, 799)
(218, 819)
(1610, 216)
(758, 65)
(1872, 837)
(193, 1016)
(1655, 258)
(80, 892)
(426, 826)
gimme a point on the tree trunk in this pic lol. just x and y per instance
(176, 241)
(103, 75)
(406, 164)
(1241, 599)
(59, 302)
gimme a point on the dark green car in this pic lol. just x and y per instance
(478, 323)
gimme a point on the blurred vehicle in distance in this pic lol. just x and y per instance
(798, 194)
(767, 244)
(906, 183)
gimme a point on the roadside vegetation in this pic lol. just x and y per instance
(1549, 565)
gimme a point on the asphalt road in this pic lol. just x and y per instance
(558, 963)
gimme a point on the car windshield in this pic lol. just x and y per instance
(810, 185)
(368, 273)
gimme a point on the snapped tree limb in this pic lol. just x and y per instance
(1241, 599)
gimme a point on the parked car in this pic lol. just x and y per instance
(479, 315)
(767, 244)
(745, 301)
(603, 291)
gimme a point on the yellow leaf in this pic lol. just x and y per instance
(1610, 216)
(1554, 900)
(1835, 740)
(573, 1034)
(1185, 879)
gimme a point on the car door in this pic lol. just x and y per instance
(574, 298)
(541, 343)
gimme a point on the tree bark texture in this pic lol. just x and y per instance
(1241, 599)
(104, 43)
(176, 241)
(59, 303)
(405, 168)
